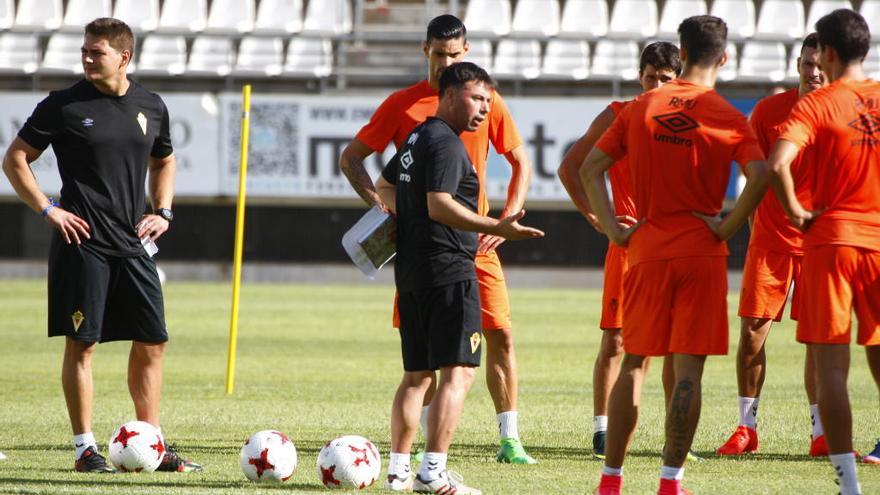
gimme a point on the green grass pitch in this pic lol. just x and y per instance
(317, 362)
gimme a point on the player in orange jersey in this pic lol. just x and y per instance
(773, 265)
(841, 126)
(680, 140)
(658, 64)
(445, 44)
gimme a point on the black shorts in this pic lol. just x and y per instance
(98, 298)
(440, 326)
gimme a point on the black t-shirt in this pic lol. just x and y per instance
(103, 144)
(429, 253)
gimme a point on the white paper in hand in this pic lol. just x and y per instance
(149, 246)
(371, 242)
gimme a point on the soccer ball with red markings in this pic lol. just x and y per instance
(268, 456)
(349, 462)
(137, 446)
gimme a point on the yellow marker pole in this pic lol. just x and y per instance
(239, 234)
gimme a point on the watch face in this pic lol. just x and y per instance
(165, 213)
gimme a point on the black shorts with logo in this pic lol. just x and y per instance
(440, 326)
(98, 298)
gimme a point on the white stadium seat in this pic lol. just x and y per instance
(584, 19)
(566, 59)
(163, 55)
(259, 57)
(517, 59)
(488, 17)
(184, 15)
(870, 10)
(728, 72)
(231, 16)
(63, 54)
(616, 60)
(791, 73)
(81, 12)
(7, 13)
(480, 53)
(36, 15)
(872, 62)
(819, 8)
(140, 15)
(781, 20)
(211, 56)
(18, 53)
(309, 56)
(762, 61)
(536, 18)
(739, 16)
(328, 17)
(279, 16)
(633, 19)
(675, 11)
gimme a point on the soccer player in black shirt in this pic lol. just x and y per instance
(107, 133)
(433, 188)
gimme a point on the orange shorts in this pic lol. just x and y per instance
(676, 306)
(767, 278)
(494, 303)
(612, 290)
(840, 279)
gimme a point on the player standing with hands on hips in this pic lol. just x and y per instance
(433, 188)
(107, 133)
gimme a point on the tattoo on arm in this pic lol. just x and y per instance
(360, 180)
(680, 425)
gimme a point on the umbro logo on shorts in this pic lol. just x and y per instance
(475, 342)
(87, 122)
(77, 318)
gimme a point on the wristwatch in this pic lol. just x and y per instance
(165, 213)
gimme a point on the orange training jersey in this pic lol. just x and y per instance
(771, 228)
(403, 110)
(681, 139)
(621, 189)
(842, 123)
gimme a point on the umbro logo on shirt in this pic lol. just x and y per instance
(87, 122)
(406, 159)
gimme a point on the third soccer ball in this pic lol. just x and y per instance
(349, 462)
(137, 446)
(268, 456)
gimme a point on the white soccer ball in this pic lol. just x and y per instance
(137, 446)
(268, 456)
(349, 462)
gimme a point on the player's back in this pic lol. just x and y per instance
(618, 175)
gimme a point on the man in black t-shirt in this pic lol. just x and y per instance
(433, 187)
(107, 133)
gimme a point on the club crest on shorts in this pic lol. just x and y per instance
(475, 342)
(142, 120)
(78, 318)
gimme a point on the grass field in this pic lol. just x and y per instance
(317, 362)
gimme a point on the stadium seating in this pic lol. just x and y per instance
(183, 16)
(729, 71)
(309, 57)
(81, 12)
(7, 13)
(535, 18)
(791, 74)
(819, 8)
(616, 60)
(518, 59)
(762, 61)
(480, 53)
(211, 56)
(140, 15)
(231, 16)
(566, 59)
(872, 62)
(870, 10)
(18, 53)
(63, 54)
(633, 19)
(328, 17)
(259, 57)
(780, 20)
(676, 11)
(739, 16)
(584, 19)
(488, 17)
(38, 15)
(279, 16)
(163, 55)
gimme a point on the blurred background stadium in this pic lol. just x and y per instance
(320, 67)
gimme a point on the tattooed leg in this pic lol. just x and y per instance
(683, 413)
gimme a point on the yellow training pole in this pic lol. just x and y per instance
(239, 234)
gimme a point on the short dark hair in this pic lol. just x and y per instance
(116, 32)
(847, 32)
(445, 27)
(811, 41)
(458, 74)
(662, 55)
(705, 39)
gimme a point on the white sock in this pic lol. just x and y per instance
(399, 465)
(84, 441)
(600, 424)
(818, 431)
(672, 473)
(845, 466)
(610, 471)
(423, 420)
(433, 464)
(507, 427)
(748, 411)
